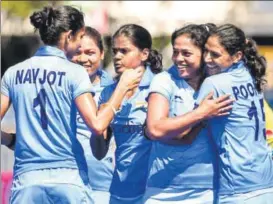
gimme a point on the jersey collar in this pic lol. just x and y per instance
(237, 65)
(147, 77)
(174, 72)
(50, 51)
(105, 78)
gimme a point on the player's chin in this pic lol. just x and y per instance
(185, 74)
(213, 70)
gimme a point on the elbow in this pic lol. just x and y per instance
(95, 126)
(154, 134)
(97, 131)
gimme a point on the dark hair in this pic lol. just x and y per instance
(198, 35)
(233, 39)
(51, 22)
(95, 35)
(142, 39)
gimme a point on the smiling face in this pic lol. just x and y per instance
(186, 56)
(126, 55)
(89, 55)
(216, 56)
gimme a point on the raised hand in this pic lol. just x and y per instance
(220, 106)
(131, 78)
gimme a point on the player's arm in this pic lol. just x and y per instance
(161, 127)
(99, 121)
(6, 139)
(186, 137)
(5, 104)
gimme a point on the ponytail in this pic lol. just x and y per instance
(42, 18)
(255, 63)
(155, 61)
(52, 22)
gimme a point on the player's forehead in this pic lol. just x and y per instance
(213, 44)
(184, 43)
(122, 41)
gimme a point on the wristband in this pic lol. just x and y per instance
(13, 140)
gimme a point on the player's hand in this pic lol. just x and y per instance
(220, 106)
(131, 78)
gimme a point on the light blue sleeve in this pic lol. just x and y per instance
(105, 95)
(5, 86)
(80, 82)
(206, 87)
(162, 84)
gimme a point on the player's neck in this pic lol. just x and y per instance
(194, 82)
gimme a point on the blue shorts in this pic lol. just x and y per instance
(263, 196)
(62, 186)
(177, 196)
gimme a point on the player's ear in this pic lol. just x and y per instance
(102, 55)
(237, 57)
(145, 54)
(69, 35)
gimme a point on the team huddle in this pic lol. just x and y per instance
(194, 133)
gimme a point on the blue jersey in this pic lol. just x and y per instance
(42, 90)
(244, 160)
(184, 166)
(133, 149)
(100, 172)
(105, 80)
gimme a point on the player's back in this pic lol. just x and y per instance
(42, 90)
(245, 160)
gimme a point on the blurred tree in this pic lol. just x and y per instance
(24, 8)
(160, 42)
